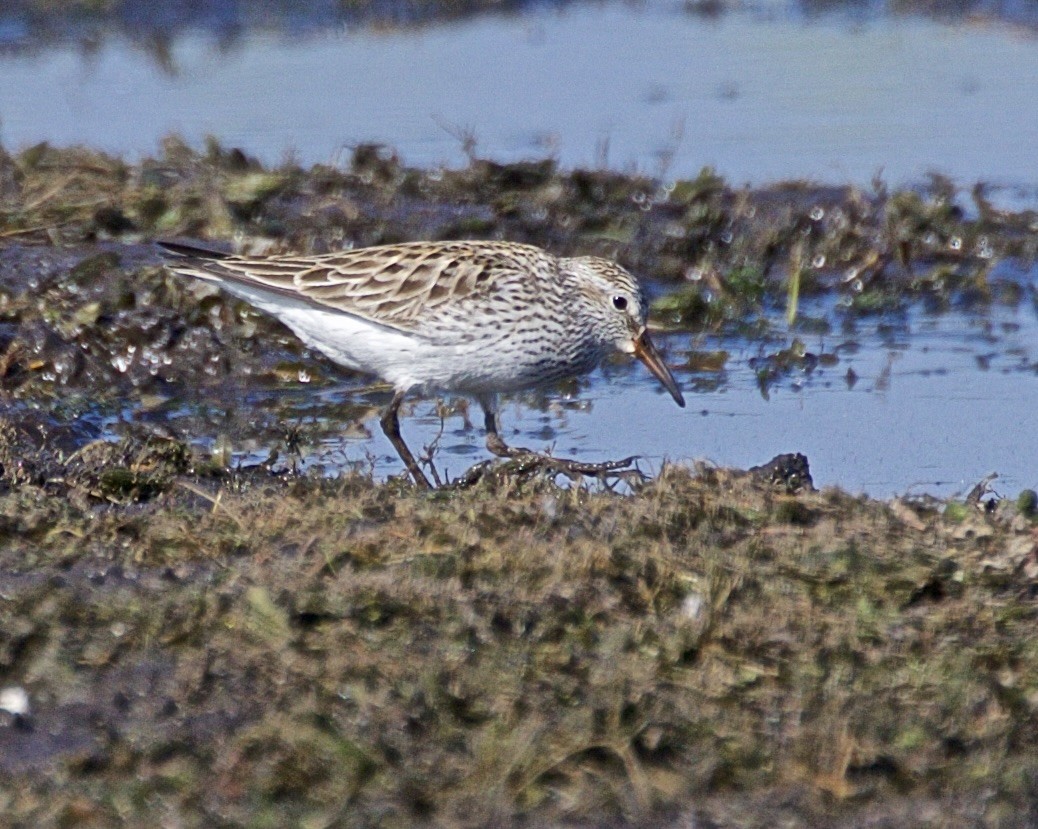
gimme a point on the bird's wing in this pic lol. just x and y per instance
(393, 285)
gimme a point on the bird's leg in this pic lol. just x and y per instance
(495, 443)
(391, 427)
(533, 461)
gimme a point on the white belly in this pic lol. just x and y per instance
(407, 361)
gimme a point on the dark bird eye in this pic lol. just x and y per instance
(620, 303)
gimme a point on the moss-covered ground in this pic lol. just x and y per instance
(709, 651)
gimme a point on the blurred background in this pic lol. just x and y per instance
(829, 91)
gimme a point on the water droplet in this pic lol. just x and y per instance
(14, 700)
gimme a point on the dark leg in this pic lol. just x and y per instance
(495, 444)
(535, 461)
(391, 426)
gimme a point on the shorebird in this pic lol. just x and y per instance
(475, 318)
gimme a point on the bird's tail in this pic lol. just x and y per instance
(183, 249)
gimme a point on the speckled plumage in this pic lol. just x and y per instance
(476, 318)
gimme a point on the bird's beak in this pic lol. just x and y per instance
(645, 351)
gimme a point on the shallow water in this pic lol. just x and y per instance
(758, 95)
(932, 404)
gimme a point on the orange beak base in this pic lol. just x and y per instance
(645, 351)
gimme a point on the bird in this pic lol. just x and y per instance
(477, 318)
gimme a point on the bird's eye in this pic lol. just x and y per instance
(620, 303)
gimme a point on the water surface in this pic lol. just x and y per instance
(914, 404)
(758, 96)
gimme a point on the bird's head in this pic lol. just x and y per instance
(620, 307)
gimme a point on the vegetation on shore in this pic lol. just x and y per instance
(308, 652)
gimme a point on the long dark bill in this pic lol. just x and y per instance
(645, 351)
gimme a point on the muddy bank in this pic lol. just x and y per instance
(731, 253)
(186, 639)
(303, 652)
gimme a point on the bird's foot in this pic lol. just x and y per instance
(496, 446)
(525, 463)
(539, 462)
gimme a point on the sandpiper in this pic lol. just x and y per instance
(476, 318)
